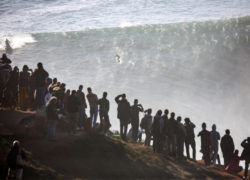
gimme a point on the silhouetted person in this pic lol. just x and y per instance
(227, 147)
(52, 118)
(123, 114)
(157, 130)
(135, 109)
(104, 110)
(40, 76)
(83, 105)
(54, 81)
(66, 100)
(205, 144)
(73, 110)
(190, 138)
(15, 161)
(172, 131)
(93, 105)
(234, 163)
(149, 120)
(23, 82)
(165, 128)
(215, 137)
(246, 155)
(181, 136)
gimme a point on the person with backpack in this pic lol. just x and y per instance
(134, 111)
(190, 138)
(181, 136)
(123, 114)
(227, 147)
(146, 123)
(205, 144)
(157, 129)
(246, 155)
(16, 160)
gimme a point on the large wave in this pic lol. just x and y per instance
(197, 69)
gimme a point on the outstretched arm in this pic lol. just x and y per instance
(117, 99)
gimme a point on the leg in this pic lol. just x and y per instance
(95, 116)
(193, 148)
(121, 129)
(125, 130)
(246, 168)
(187, 148)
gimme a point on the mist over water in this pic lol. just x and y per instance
(197, 69)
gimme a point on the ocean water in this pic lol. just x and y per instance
(191, 57)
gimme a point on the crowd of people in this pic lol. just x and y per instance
(33, 90)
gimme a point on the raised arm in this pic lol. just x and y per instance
(117, 99)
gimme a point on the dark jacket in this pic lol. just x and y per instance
(227, 145)
(40, 76)
(246, 151)
(157, 125)
(73, 104)
(12, 157)
(123, 110)
(81, 97)
(205, 139)
(104, 105)
(172, 127)
(24, 78)
(190, 130)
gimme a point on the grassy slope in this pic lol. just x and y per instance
(96, 156)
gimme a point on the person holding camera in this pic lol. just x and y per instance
(135, 110)
(123, 114)
(246, 155)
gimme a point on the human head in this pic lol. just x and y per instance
(187, 120)
(16, 143)
(124, 96)
(166, 111)
(159, 112)
(4, 56)
(172, 115)
(89, 90)
(214, 127)
(68, 91)
(179, 119)
(248, 139)
(54, 80)
(105, 94)
(39, 65)
(53, 100)
(80, 87)
(73, 92)
(236, 152)
(204, 126)
(25, 68)
(227, 132)
(16, 69)
(149, 111)
(136, 102)
(49, 81)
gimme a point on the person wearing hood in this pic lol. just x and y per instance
(214, 138)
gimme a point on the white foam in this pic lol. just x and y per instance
(16, 41)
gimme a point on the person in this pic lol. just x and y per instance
(205, 144)
(245, 155)
(83, 105)
(16, 160)
(148, 119)
(190, 138)
(48, 95)
(234, 164)
(73, 110)
(215, 137)
(123, 114)
(157, 130)
(181, 136)
(66, 100)
(23, 82)
(165, 129)
(104, 110)
(135, 109)
(227, 147)
(52, 118)
(93, 105)
(40, 76)
(172, 129)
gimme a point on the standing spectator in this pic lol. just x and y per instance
(93, 105)
(157, 130)
(190, 138)
(40, 76)
(104, 110)
(215, 137)
(205, 144)
(246, 155)
(73, 110)
(148, 124)
(172, 130)
(52, 117)
(227, 147)
(23, 82)
(15, 161)
(135, 109)
(123, 113)
(66, 100)
(181, 136)
(82, 114)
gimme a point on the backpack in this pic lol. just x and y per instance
(143, 124)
